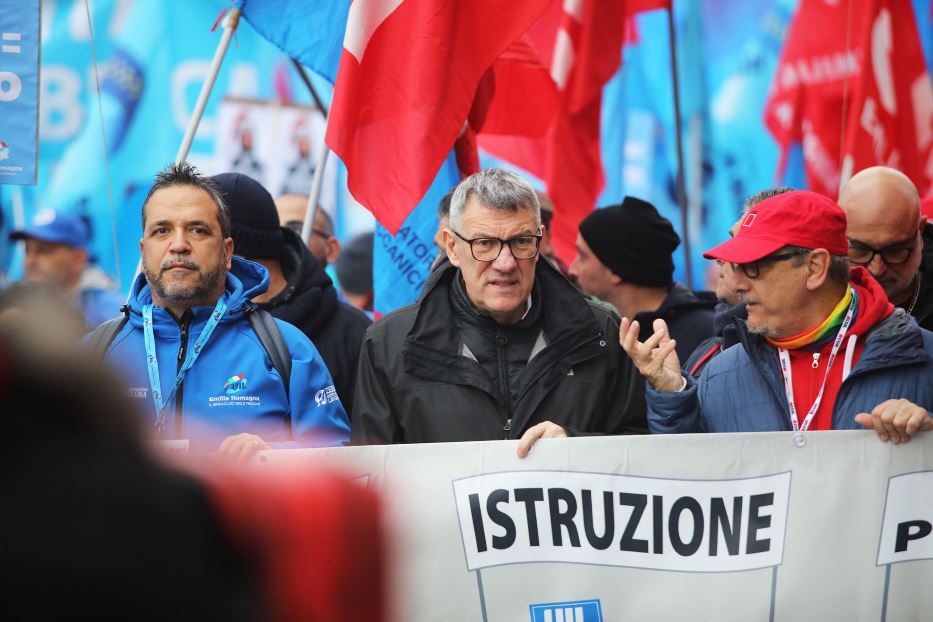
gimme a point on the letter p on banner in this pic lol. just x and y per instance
(907, 528)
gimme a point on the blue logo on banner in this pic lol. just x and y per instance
(572, 611)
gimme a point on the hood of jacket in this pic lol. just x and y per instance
(245, 279)
(725, 318)
(309, 299)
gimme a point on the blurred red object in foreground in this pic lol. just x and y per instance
(315, 539)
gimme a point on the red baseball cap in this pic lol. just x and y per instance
(798, 218)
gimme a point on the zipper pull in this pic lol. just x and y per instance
(508, 425)
(816, 360)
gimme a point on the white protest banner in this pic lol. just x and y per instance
(698, 527)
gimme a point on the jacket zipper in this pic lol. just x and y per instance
(501, 342)
(183, 328)
(581, 353)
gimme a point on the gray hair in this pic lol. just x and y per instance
(495, 188)
(767, 193)
(185, 174)
(839, 268)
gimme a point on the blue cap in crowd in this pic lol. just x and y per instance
(55, 227)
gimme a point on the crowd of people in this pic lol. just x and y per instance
(235, 339)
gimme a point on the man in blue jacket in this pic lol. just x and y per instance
(56, 253)
(822, 347)
(189, 354)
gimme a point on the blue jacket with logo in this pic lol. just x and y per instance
(742, 389)
(233, 386)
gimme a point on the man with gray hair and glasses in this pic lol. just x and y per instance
(499, 345)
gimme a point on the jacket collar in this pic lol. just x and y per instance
(245, 279)
(558, 308)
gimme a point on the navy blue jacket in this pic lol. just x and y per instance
(233, 386)
(742, 390)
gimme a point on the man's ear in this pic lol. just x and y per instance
(817, 268)
(450, 245)
(332, 252)
(228, 247)
(81, 257)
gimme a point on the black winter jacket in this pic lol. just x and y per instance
(309, 301)
(440, 370)
(689, 318)
(923, 310)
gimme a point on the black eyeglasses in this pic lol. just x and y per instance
(489, 249)
(297, 226)
(862, 254)
(752, 269)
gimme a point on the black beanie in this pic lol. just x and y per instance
(254, 218)
(634, 241)
(355, 265)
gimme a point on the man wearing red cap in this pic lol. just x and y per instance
(822, 347)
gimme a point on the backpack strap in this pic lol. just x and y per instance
(101, 337)
(270, 335)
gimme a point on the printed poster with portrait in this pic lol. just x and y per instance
(278, 145)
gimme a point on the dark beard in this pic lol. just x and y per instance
(201, 291)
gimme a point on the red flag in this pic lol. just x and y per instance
(587, 52)
(582, 40)
(407, 80)
(891, 115)
(863, 67)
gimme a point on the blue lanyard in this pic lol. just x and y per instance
(153, 362)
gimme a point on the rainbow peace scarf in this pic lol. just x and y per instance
(825, 330)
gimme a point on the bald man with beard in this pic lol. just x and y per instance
(889, 236)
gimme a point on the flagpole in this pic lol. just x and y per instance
(230, 26)
(307, 226)
(307, 82)
(681, 183)
(103, 136)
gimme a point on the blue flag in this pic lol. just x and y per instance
(311, 32)
(19, 90)
(151, 71)
(727, 53)
(401, 263)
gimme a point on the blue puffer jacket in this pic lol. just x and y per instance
(233, 386)
(742, 390)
